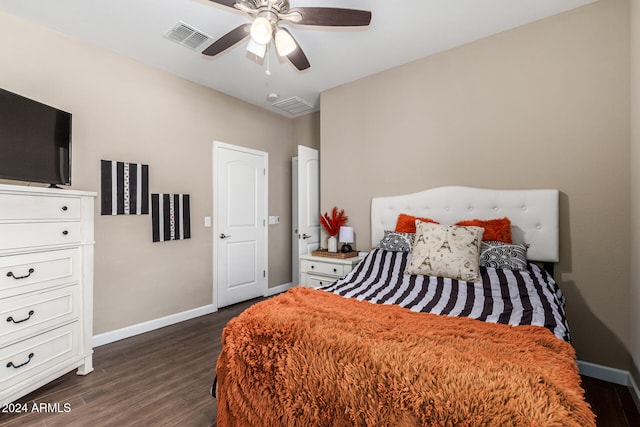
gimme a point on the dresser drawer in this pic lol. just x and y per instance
(329, 269)
(36, 311)
(34, 234)
(27, 359)
(37, 271)
(26, 207)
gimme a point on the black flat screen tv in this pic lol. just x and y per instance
(35, 141)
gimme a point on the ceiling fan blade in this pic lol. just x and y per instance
(232, 38)
(331, 16)
(228, 3)
(247, 8)
(297, 57)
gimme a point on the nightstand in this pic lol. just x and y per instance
(317, 271)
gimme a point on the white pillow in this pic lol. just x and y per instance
(447, 251)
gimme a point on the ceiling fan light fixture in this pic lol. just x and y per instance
(256, 48)
(267, 14)
(285, 44)
(261, 30)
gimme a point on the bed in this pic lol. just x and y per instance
(389, 345)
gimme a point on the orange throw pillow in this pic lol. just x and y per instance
(494, 229)
(407, 223)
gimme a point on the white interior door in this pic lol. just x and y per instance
(240, 229)
(308, 206)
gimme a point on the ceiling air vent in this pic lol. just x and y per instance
(187, 36)
(294, 105)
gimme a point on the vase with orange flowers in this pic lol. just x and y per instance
(332, 226)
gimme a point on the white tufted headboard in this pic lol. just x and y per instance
(534, 214)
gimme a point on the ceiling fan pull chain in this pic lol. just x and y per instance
(268, 71)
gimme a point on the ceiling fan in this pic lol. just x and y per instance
(267, 15)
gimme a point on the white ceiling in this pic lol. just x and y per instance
(400, 32)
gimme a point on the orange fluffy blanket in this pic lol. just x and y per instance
(311, 358)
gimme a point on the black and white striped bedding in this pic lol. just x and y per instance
(514, 297)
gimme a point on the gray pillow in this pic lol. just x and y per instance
(503, 255)
(396, 241)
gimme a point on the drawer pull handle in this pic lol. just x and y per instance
(10, 274)
(11, 365)
(313, 266)
(11, 319)
(65, 208)
(335, 270)
(65, 232)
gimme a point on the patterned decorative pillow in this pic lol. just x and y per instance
(396, 241)
(446, 251)
(503, 255)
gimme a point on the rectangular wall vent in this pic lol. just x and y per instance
(294, 105)
(187, 36)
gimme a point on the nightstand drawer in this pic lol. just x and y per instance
(329, 269)
(23, 207)
(29, 313)
(319, 281)
(37, 271)
(34, 234)
(26, 360)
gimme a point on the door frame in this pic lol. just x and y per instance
(265, 157)
(295, 243)
(298, 172)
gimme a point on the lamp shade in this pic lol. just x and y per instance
(346, 234)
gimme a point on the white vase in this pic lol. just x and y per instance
(332, 244)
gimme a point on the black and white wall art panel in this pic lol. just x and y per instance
(124, 188)
(170, 216)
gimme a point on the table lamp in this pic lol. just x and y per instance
(346, 237)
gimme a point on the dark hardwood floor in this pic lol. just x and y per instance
(162, 378)
(612, 403)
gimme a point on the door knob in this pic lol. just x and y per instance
(224, 236)
(305, 236)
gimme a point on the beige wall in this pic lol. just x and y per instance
(540, 106)
(124, 110)
(635, 186)
(306, 130)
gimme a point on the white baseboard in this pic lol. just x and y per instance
(605, 373)
(277, 289)
(612, 375)
(140, 328)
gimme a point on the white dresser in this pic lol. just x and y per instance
(46, 286)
